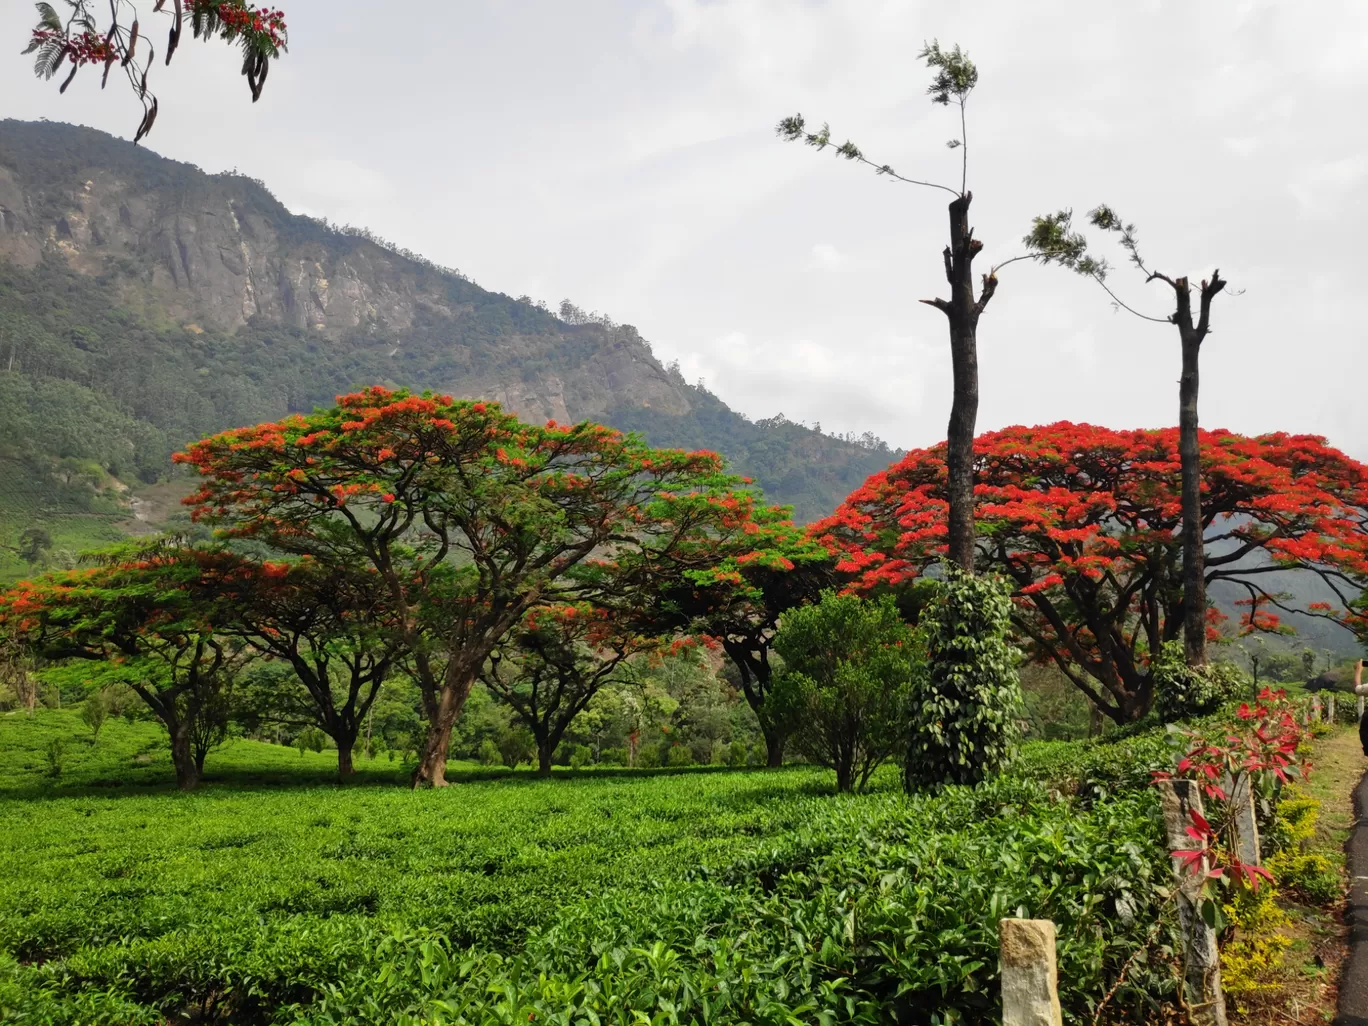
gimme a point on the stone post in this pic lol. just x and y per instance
(1330, 708)
(1201, 958)
(1315, 708)
(1030, 990)
(1246, 822)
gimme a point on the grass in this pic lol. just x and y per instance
(76, 521)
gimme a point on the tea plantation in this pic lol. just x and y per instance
(707, 896)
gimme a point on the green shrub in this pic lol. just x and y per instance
(736, 754)
(613, 757)
(55, 756)
(1182, 692)
(847, 665)
(580, 756)
(963, 705)
(679, 755)
(1311, 874)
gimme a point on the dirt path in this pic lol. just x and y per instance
(1346, 757)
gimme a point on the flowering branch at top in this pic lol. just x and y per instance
(80, 40)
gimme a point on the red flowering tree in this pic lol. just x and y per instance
(469, 517)
(730, 570)
(331, 625)
(550, 668)
(152, 615)
(79, 39)
(1086, 521)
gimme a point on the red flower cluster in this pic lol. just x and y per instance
(238, 18)
(86, 48)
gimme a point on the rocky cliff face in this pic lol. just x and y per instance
(218, 251)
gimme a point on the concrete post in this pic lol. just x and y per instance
(1315, 708)
(1330, 708)
(1030, 989)
(1245, 821)
(1201, 957)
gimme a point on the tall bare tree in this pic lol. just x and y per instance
(1053, 240)
(955, 79)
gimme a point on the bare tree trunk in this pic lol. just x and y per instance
(1194, 552)
(345, 768)
(546, 748)
(962, 310)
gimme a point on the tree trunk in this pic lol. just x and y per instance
(774, 748)
(546, 748)
(962, 310)
(344, 759)
(188, 770)
(431, 769)
(1194, 555)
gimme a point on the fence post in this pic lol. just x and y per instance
(1330, 708)
(1202, 960)
(1315, 708)
(1030, 988)
(1246, 823)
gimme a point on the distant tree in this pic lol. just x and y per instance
(94, 712)
(848, 665)
(77, 39)
(468, 517)
(729, 577)
(34, 544)
(549, 669)
(955, 79)
(16, 666)
(1052, 239)
(1085, 521)
(149, 616)
(328, 623)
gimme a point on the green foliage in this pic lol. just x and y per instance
(1182, 692)
(961, 721)
(725, 897)
(55, 755)
(848, 662)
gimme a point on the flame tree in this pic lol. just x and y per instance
(550, 668)
(153, 614)
(1086, 522)
(730, 570)
(76, 37)
(469, 517)
(328, 624)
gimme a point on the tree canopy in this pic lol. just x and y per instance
(1085, 521)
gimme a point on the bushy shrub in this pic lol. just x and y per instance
(679, 755)
(1182, 692)
(847, 665)
(613, 757)
(962, 707)
(1311, 874)
(580, 756)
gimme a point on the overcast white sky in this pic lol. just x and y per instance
(623, 154)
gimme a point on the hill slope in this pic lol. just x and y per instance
(144, 303)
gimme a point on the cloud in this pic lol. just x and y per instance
(826, 257)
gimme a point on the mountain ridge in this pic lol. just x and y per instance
(209, 275)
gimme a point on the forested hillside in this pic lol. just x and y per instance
(160, 303)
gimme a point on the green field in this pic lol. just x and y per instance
(273, 895)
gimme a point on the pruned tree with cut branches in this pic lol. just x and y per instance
(78, 38)
(1053, 240)
(955, 79)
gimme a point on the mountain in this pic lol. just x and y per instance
(144, 302)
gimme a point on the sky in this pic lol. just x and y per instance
(623, 154)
